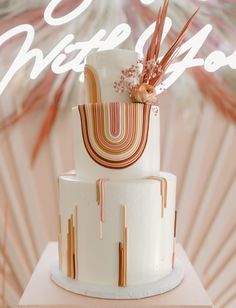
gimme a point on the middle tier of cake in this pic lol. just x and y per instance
(124, 137)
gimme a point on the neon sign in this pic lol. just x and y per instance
(60, 57)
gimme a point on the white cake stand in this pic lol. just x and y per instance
(114, 292)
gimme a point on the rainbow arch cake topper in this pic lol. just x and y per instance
(115, 134)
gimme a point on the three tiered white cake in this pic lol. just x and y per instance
(117, 211)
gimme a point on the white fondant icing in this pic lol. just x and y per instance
(148, 233)
(108, 65)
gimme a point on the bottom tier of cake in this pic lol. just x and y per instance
(117, 233)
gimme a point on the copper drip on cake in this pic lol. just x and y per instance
(72, 237)
(174, 241)
(98, 191)
(100, 197)
(122, 252)
(163, 183)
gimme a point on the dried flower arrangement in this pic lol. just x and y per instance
(140, 84)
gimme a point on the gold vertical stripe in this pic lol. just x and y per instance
(124, 220)
(70, 234)
(119, 274)
(125, 256)
(73, 252)
(74, 267)
(175, 224)
(122, 267)
(164, 194)
(76, 244)
(123, 248)
(68, 255)
(70, 246)
(164, 187)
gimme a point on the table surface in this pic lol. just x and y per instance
(42, 292)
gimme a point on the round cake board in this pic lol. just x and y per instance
(161, 286)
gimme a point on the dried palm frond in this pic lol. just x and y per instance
(211, 86)
(36, 98)
(152, 74)
(154, 47)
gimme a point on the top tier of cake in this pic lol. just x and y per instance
(114, 137)
(101, 70)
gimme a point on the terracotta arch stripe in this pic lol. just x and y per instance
(104, 148)
(117, 146)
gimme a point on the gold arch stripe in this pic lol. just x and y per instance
(115, 134)
(92, 84)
